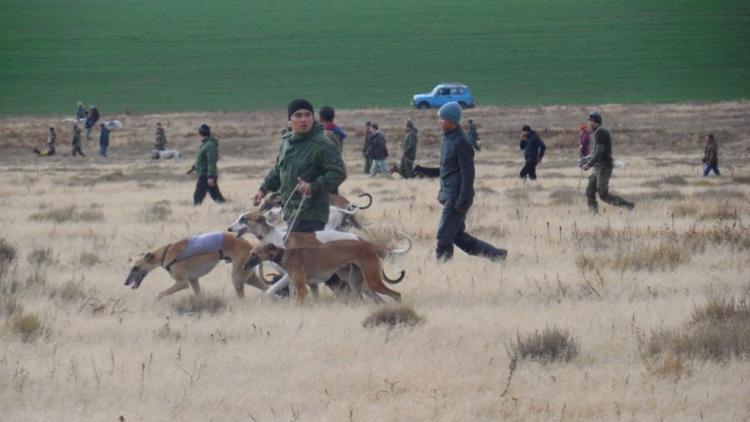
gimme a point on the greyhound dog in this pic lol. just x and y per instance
(317, 264)
(429, 172)
(187, 260)
(255, 223)
(341, 212)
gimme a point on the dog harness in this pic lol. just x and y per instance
(198, 244)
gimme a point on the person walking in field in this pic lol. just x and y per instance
(103, 140)
(308, 167)
(378, 152)
(457, 190)
(81, 112)
(93, 117)
(51, 139)
(334, 133)
(472, 136)
(408, 151)
(711, 156)
(76, 143)
(533, 151)
(160, 143)
(601, 161)
(366, 147)
(205, 166)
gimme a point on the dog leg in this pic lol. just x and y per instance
(314, 291)
(299, 279)
(372, 269)
(278, 286)
(196, 287)
(176, 287)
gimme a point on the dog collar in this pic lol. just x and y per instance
(279, 255)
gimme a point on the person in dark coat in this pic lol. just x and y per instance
(76, 143)
(533, 151)
(51, 138)
(367, 148)
(711, 157)
(378, 152)
(205, 166)
(103, 140)
(457, 190)
(91, 120)
(472, 136)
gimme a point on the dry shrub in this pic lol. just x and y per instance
(517, 194)
(665, 256)
(685, 210)
(28, 326)
(41, 256)
(674, 180)
(88, 259)
(166, 332)
(659, 195)
(69, 214)
(157, 212)
(564, 196)
(69, 291)
(745, 180)
(735, 235)
(7, 251)
(668, 365)
(197, 305)
(586, 262)
(718, 330)
(384, 237)
(719, 194)
(392, 316)
(552, 344)
(721, 212)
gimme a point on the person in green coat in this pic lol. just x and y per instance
(408, 151)
(205, 166)
(308, 166)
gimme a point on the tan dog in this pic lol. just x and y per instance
(316, 264)
(186, 271)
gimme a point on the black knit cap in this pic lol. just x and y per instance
(526, 128)
(204, 130)
(299, 104)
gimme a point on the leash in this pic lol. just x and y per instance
(296, 214)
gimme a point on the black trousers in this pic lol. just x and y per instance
(452, 230)
(529, 169)
(201, 187)
(77, 150)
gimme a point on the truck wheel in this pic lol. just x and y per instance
(423, 105)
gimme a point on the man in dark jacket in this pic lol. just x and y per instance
(601, 161)
(472, 136)
(378, 152)
(711, 157)
(76, 143)
(457, 190)
(366, 147)
(307, 168)
(205, 166)
(103, 140)
(408, 151)
(51, 138)
(91, 120)
(533, 151)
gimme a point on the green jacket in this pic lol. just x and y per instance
(711, 154)
(409, 146)
(208, 155)
(601, 157)
(314, 159)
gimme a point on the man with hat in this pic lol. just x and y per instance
(307, 168)
(408, 151)
(457, 190)
(601, 161)
(160, 144)
(533, 151)
(472, 136)
(367, 147)
(205, 166)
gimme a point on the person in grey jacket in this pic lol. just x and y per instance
(533, 151)
(457, 190)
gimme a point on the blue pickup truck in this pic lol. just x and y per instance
(444, 93)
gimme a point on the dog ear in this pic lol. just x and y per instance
(148, 256)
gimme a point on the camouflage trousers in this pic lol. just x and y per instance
(599, 183)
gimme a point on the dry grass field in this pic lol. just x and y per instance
(638, 315)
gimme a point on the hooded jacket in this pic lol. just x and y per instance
(456, 169)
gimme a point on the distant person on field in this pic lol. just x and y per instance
(533, 151)
(472, 136)
(205, 166)
(51, 138)
(378, 152)
(366, 147)
(103, 140)
(457, 190)
(76, 143)
(81, 112)
(93, 117)
(601, 161)
(711, 156)
(334, 133)
(408, 151)
(160, 143)
(584, 141)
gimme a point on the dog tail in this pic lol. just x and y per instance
(397, 280)
(403, 251)
(365, 195)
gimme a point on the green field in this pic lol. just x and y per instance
(183, 55)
